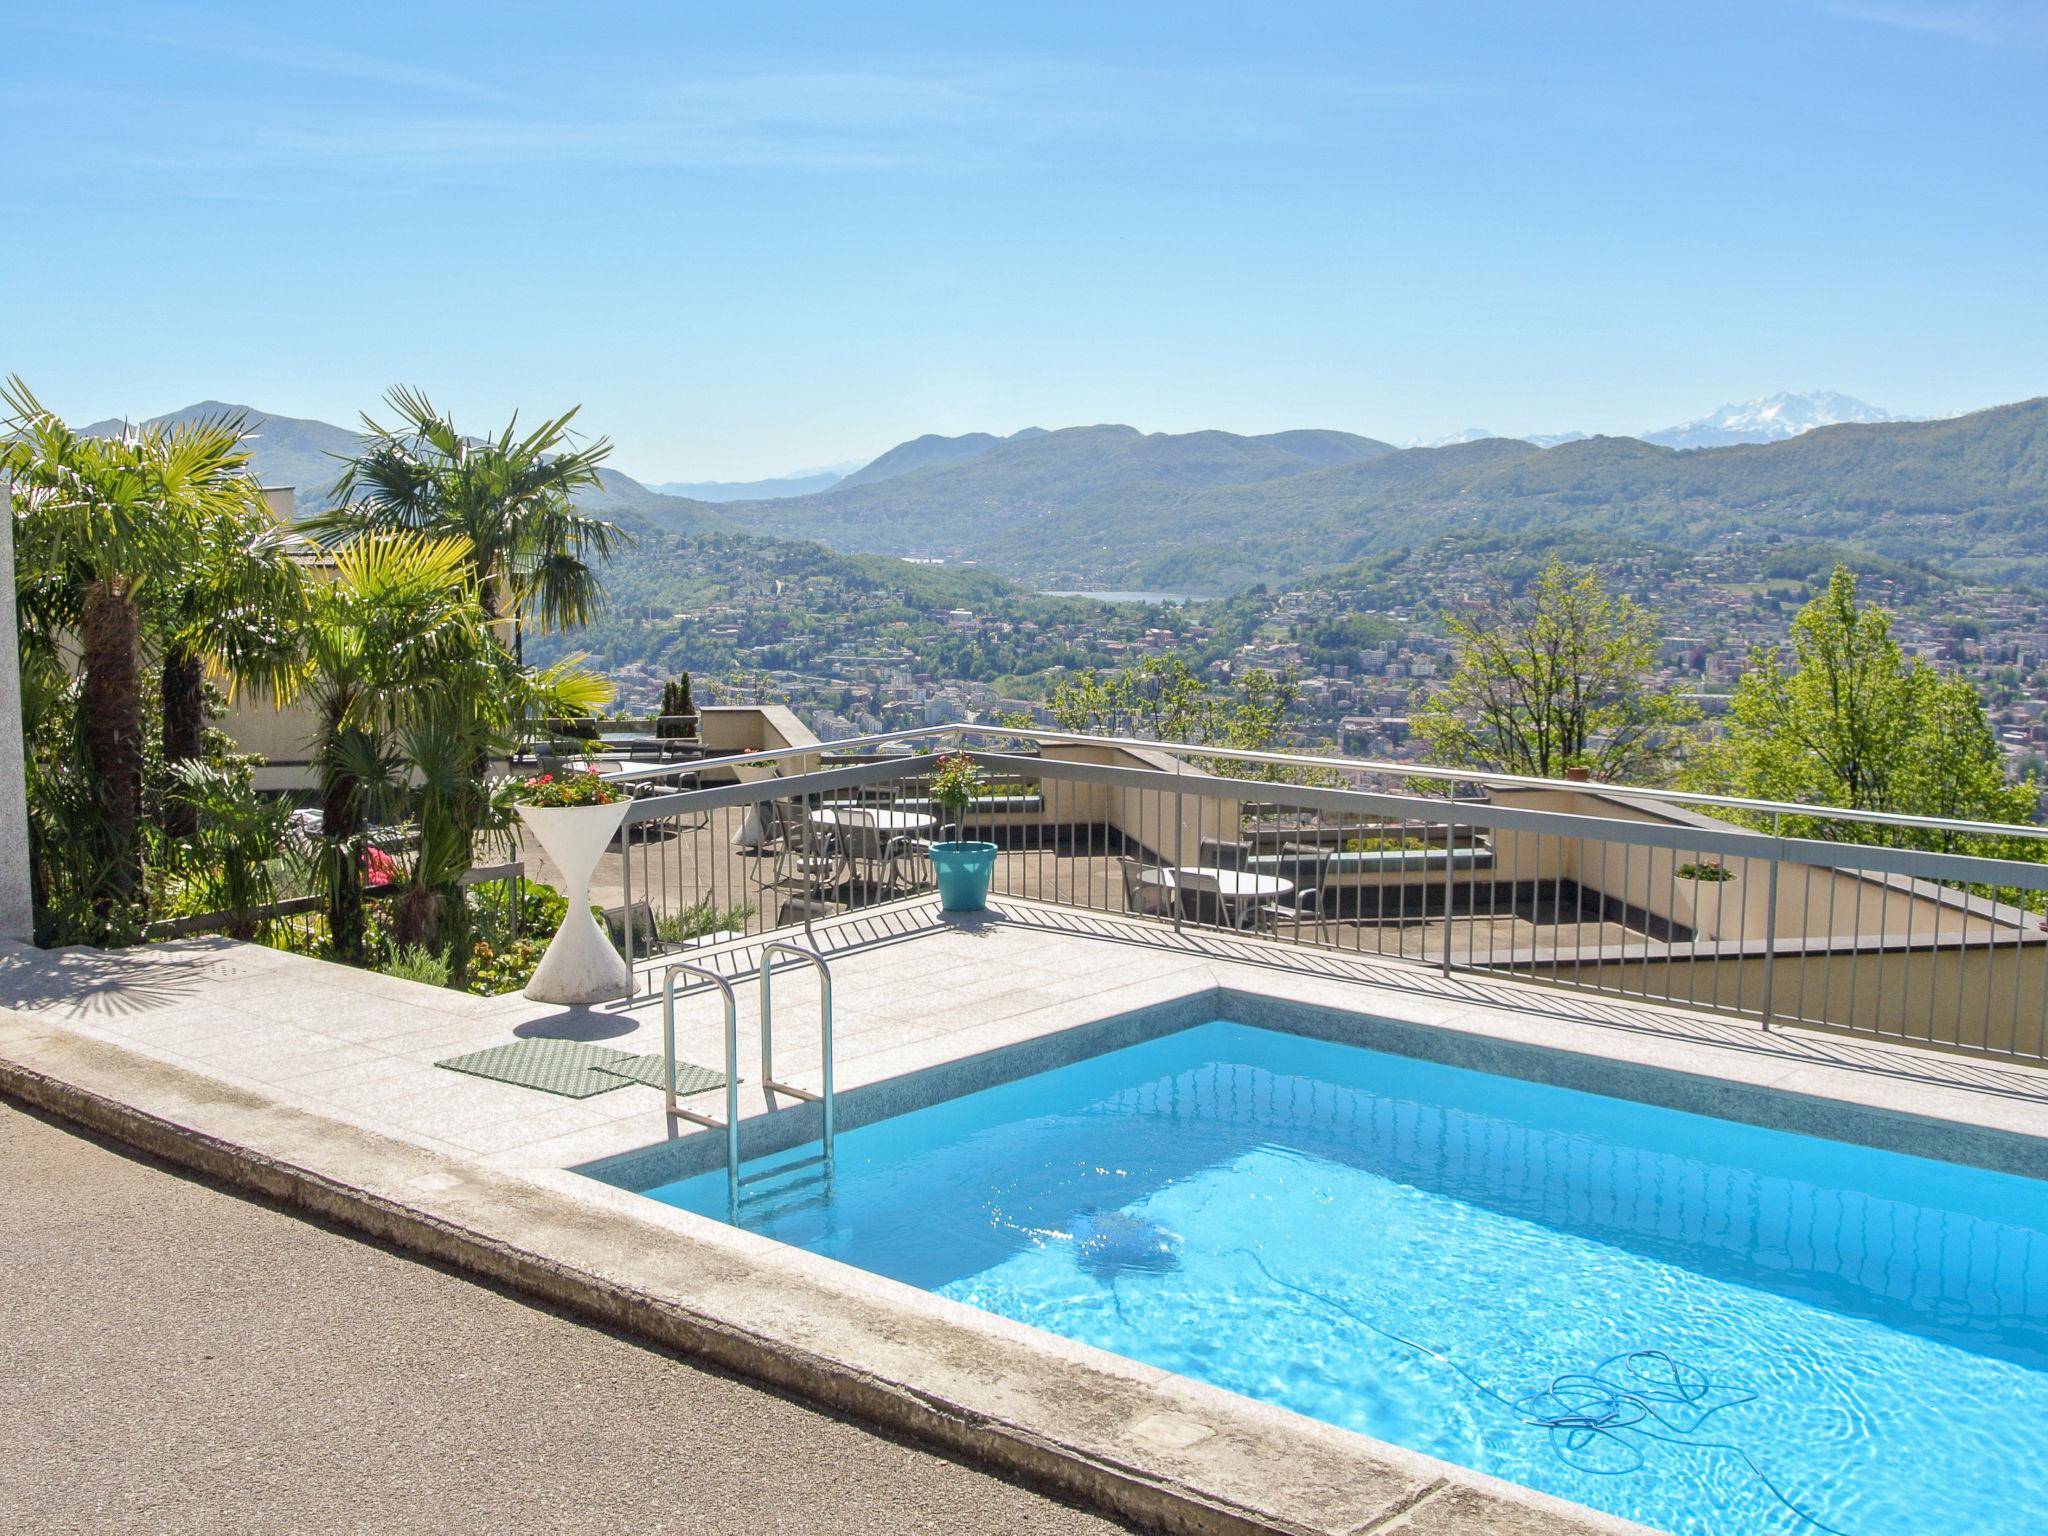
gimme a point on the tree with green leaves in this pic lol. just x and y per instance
(400, 609)
(1160, 699)
(231, 609)
(410, 691)
(1854, 723)
(1562, 678)
(102, 525)
(509, 497)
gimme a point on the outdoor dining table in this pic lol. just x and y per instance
(1241, 885)
(894, 823)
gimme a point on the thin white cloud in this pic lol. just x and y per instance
(944, 115)
(286, 53)
(1988, 23)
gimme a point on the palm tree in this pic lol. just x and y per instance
(411, 691)
(98, 520)
(478, 708)
(402, 609)
(510, 497)
(233, 607)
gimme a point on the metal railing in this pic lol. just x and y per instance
(731, 1123)
(1628, 894)
(827, 1113)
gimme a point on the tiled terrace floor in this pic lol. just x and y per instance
(912, 990)
(355, 1052)
(698, 859)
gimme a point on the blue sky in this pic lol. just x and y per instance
(754, 238)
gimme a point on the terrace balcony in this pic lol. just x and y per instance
(1615, 891)
(1561, 934)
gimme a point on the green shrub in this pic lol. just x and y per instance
(1713, 874)
(415, 962)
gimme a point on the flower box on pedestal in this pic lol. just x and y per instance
(580, 966)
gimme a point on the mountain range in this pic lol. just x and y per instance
(802, 483)
(1770, 419)
(1766, 419)
(1110, 507)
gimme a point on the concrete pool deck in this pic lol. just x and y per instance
(316, 1084)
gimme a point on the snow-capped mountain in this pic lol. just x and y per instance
(1469, 435)
(1769, 419)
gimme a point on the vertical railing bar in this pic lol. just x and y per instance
(1805, 942)
(1884, 934)
(1671, 928)
(1600, 924)
(626, 895)
(1449, 833)
(1827, 964)
(1962, 961)
(1771, 927)
(1991, 928)
(2041, 1029)
(1179, 821)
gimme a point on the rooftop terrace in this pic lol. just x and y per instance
(1544, 931)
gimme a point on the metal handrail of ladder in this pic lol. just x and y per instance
(731, 1123)
(822, 1099)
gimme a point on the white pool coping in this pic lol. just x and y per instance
(317, 1084)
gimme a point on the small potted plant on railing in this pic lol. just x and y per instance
(1701, 894)
(575, 815)
(962, 868)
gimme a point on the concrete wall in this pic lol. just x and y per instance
(1170, 829)
(1981, 996)
(1812, 901)
(17, 917)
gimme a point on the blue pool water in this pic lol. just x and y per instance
(1703, 1326)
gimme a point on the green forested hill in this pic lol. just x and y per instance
(307, 455)
(1108, 507)
(956, 509)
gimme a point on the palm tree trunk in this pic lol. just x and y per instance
(110, 719)
(341, 836)
(184, 709)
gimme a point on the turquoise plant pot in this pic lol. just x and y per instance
(963, 871)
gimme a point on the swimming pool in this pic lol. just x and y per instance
(1704, 1326)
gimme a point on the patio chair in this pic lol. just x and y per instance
(1217, 854)
(807, 850)
(1284, 916)
(1148, 889)
(646, 941)
(874, 856)
(1202, 901)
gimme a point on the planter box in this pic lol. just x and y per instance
(580, 966)
(963, 871)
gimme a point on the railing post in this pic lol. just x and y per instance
(626, 896)
(1178, 822)
(1449, 830)
(1771, 922)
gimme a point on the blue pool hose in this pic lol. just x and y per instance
(1660, 1399)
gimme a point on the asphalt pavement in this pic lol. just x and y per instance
(176, 1358)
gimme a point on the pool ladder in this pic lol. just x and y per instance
(731, 1123)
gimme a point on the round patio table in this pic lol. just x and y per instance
(1241, 885)
(894, 823)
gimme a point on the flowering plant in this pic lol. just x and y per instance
(956, 783)
(566, 789)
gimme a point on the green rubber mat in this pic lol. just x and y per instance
(690, 1078)
(576, 1069)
